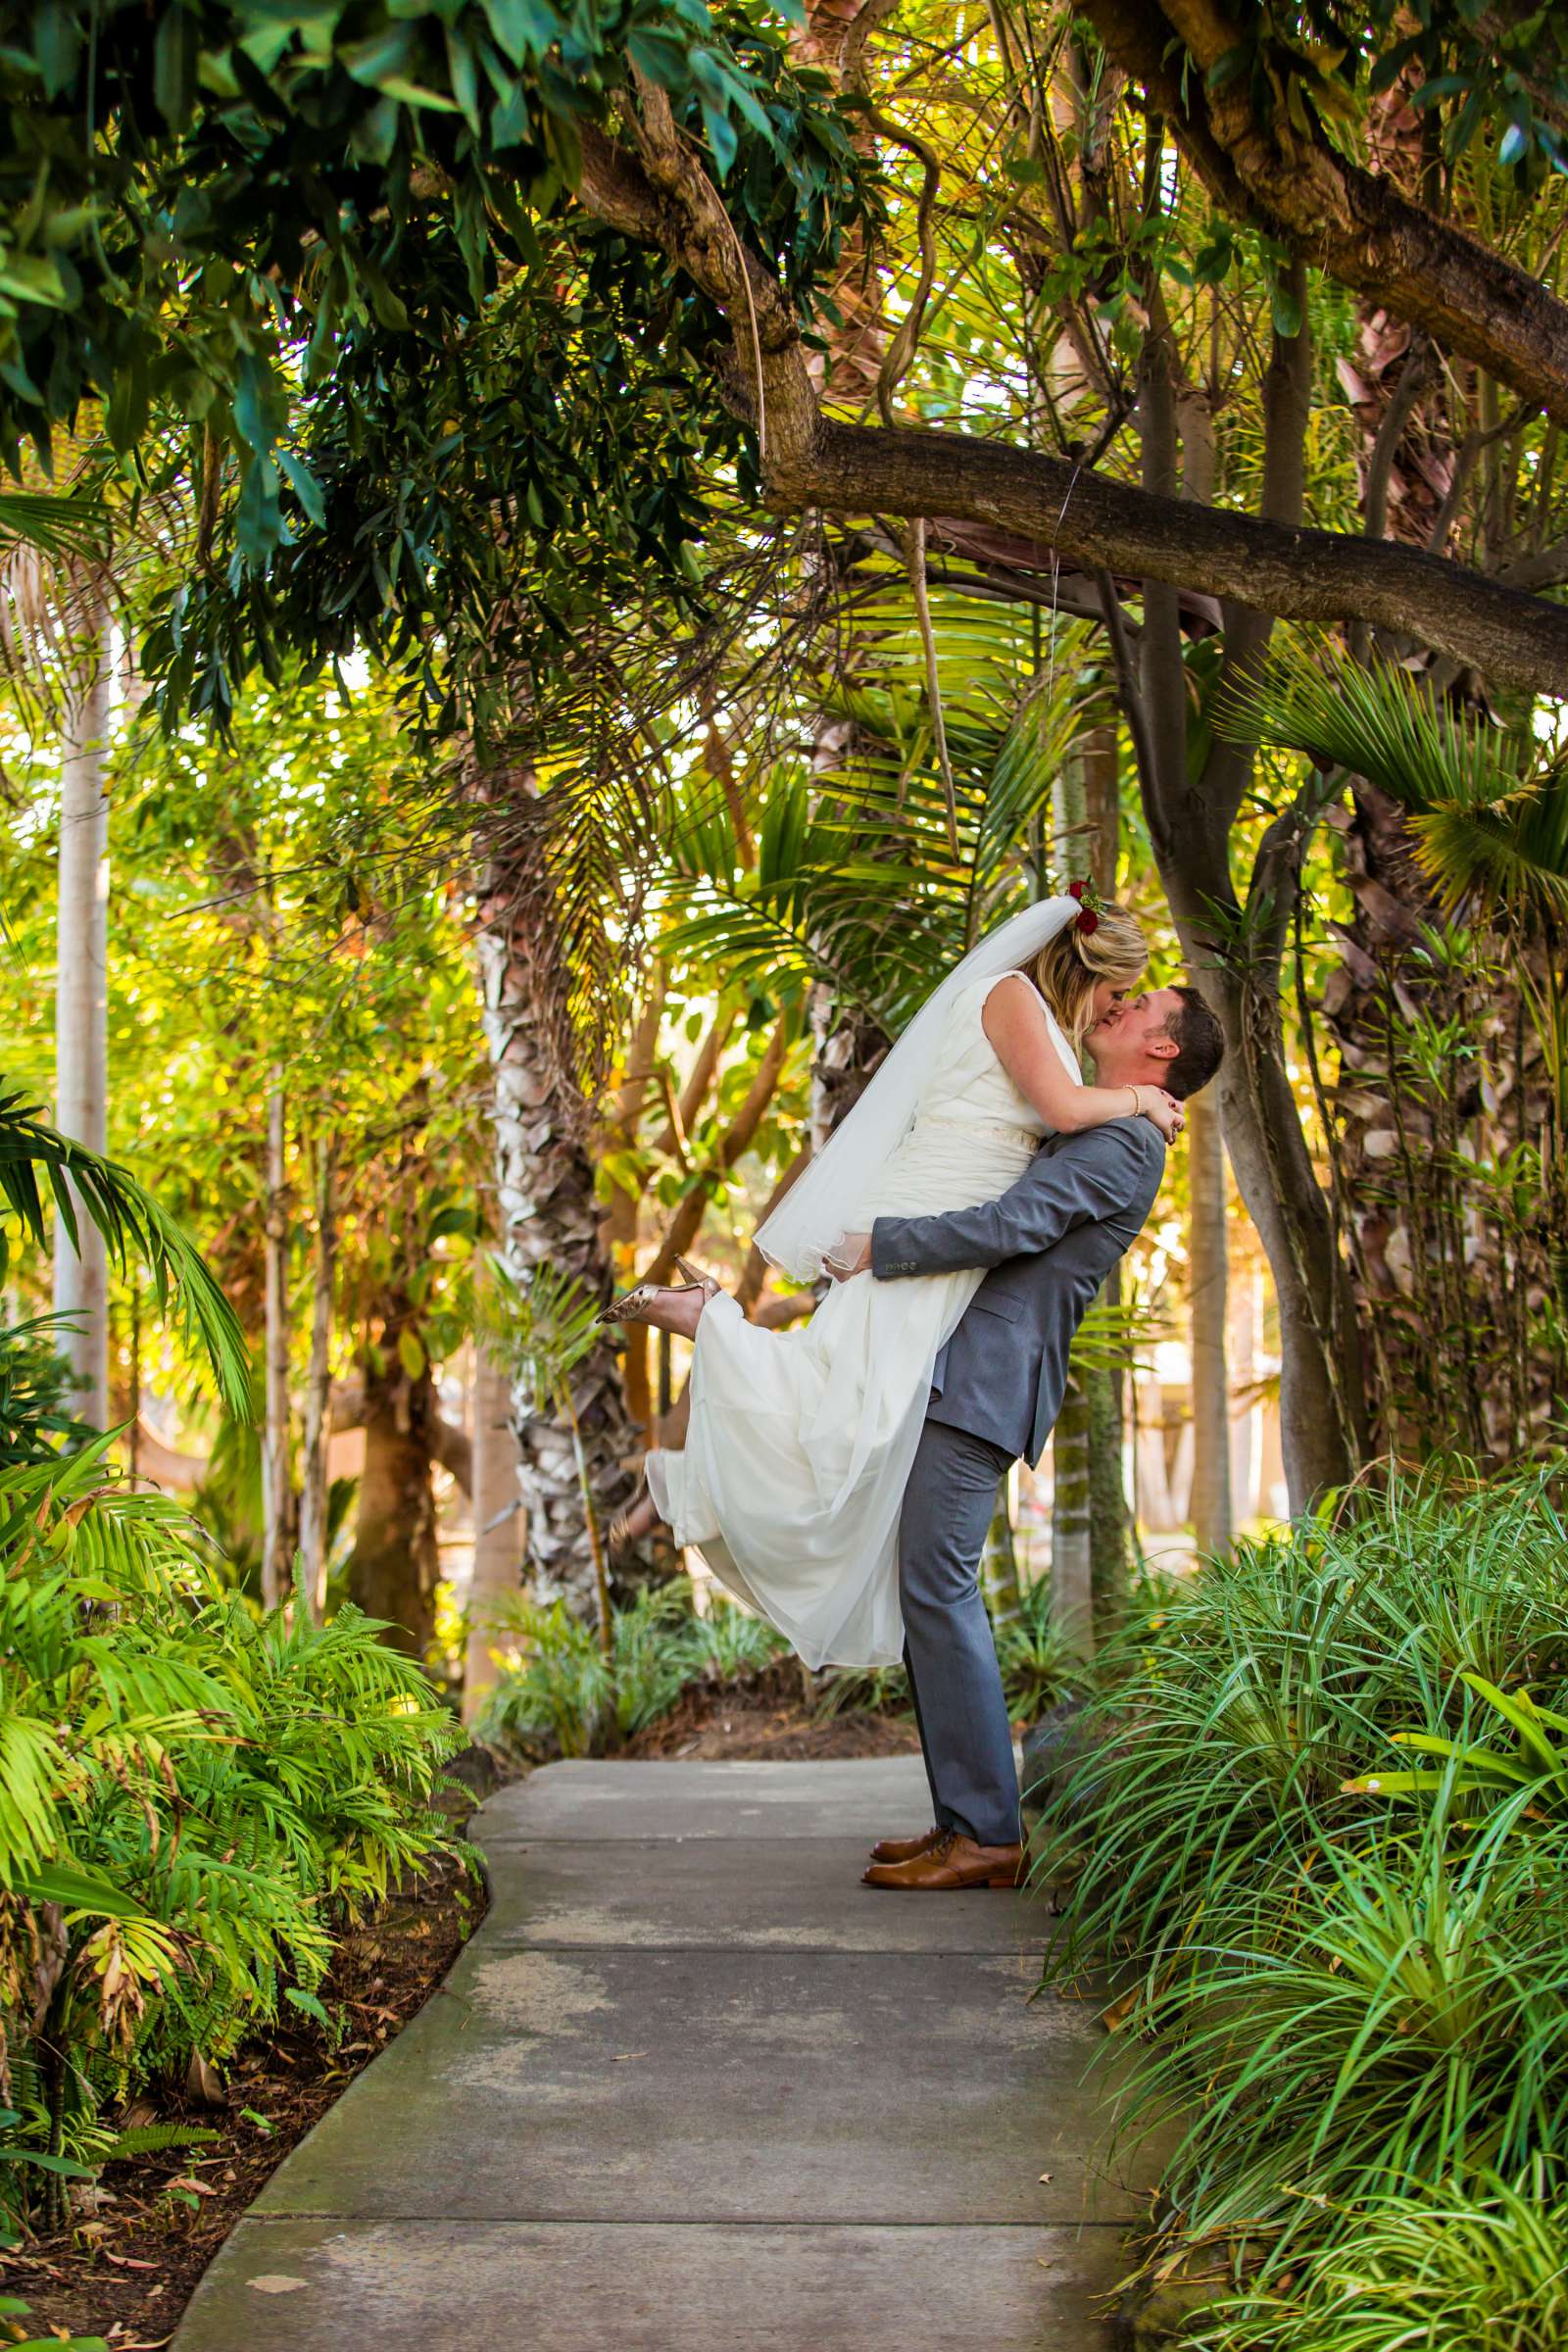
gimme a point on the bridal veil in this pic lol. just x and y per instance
(823, 1202)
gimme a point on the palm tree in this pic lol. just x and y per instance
(1448, 1120)
(571, 1467)
(56, 640)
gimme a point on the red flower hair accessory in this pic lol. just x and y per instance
(1086, 920)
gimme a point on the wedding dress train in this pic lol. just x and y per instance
(799, 1444)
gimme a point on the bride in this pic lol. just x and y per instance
(799, 1444)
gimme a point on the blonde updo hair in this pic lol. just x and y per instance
(1066, 969)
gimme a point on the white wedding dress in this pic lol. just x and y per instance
(800, 1443)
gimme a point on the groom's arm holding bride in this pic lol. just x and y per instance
(1100, 1176)
(1106, 1174)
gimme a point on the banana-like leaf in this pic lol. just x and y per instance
(76, 1891)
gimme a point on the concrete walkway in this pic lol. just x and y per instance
(693, 2089)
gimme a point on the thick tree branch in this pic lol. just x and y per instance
(1081, 517)
(1355, 224)
(1105, 525)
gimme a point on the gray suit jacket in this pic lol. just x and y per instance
(1050, 1243)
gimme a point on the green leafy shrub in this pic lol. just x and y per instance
(875, 1689)
(1038, 1667)
(735, 1645)
(555, 1681)
(191, 1800)
(1337, 1996)
(37, 1387)
(560, 1695)
(1483, 2268)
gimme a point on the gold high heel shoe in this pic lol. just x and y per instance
(630, 1305)
(696, 1279)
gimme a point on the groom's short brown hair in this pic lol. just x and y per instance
(1202, 1041)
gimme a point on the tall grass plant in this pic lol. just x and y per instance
(1346, 1999)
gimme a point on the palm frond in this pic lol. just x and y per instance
(1490, 815)
(53, 523)
(852, 879)
(132, 1225)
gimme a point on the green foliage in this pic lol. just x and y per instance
(1038, 1667)
(132, 1224)
(853, 880)
(1469, 1357)
(1489, 806)
(559, 1692)
(541, 1329)
(1477, 70)
(1531, 1772)
(872, 1690)
(53, 525)
(1337, 2005)
(1463, 2267)
(37, 1384)
(268, 245)
(207, 1796)
(551, 1697)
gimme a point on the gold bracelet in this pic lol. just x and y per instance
(1137, 1108)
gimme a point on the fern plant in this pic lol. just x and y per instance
(206, 1797)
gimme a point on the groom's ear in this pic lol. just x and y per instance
(1162, 1046)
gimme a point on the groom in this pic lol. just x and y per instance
(1050, 1243)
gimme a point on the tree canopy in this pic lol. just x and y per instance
(315, 265)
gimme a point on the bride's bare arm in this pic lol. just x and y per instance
(1014, 1022)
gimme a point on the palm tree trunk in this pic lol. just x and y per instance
(1207, 1299)
(81, 1007)
(277, 1491)
(314, 1481)
(395, 1564)
(545, 1208)
(496, 1533)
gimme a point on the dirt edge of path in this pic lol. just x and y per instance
(131, 2260)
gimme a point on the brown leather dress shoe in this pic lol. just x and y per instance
(952, 1864)
(905, 1850)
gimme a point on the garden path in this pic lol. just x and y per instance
(691, 2085)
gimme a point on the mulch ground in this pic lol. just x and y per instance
(126, 2270)
(768, 1720)
(126, 2267)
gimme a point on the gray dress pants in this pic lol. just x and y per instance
(952, 1659)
